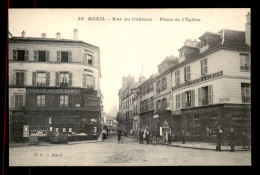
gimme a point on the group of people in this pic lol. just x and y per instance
(104, 134)
(145, 135)
(232, 137)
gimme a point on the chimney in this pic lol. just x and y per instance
(75, 34)
(23, 34)
(43, 35)
(58, 36)
(248, 29)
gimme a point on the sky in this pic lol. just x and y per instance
(127, 47)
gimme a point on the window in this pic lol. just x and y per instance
(64, 79)
(205, 95)
(158, 105)
(64, 100)
(19, 101)
(41, 56)
(90, 59)
(20, 55)
(245, 92)
(204, 66)
(50, 120)
(151, 102)
(244, 62)
(158, 86)
(186, 73)
(41, 78)
(188, 99)
(181, 54)
(177, 77)
(40, 100)
(64, 56)
(88, 81)
(19, 78)
(164, 104)
(164, 83)
(151, 86)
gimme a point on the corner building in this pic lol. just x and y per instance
(54, 86)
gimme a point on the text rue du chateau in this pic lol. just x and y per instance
(187, 19)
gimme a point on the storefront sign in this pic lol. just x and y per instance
(54, 90)
(198, 80)
(25, 130)
(201, 110)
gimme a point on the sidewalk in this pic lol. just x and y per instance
(200, 145)
(49, 144)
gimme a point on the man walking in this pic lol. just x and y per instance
(141, 133)
(219, 138)
(154, 137)
(147, 134)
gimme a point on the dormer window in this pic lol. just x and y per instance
(181, 54)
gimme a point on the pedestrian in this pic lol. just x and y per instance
(169, 137)
(104, 134)
(183, 136)
(147, 136)
(166, 135)
(141, 133)
(245, 141)
(219, 138)
(154, 137)
(232, 139)
(119, 132)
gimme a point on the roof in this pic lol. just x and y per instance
(233, 40)
(209, 33)
(192, 47)
(37, 39)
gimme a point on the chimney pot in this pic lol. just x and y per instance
(75, 34)
(58, 36)
(23, 34)
(43, 35)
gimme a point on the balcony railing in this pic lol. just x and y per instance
(246, 99)
(244, 68)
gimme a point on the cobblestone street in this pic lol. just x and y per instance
(128, 153)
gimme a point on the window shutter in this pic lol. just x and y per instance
(12, 100)
(176, 101)
(57, 79)
(192, 98)
(178, 76)
(93, 60)
(84, 80)
(183, 100)
(47, 78)
(47, 56)
(23, 78)
(26, 57)
(14, 55)
(199, 97)
(175, 78)
(188, 73)
(94, 82)
(14, 78)
(201, 67)
(20, 100)
(34, 78)
(70, 56)
(16, 101)
(58, 56)
(185, 73)
(35, 52)
(70, 79)
(210, 94)
(205, 66)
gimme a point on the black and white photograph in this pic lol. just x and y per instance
(129, 87)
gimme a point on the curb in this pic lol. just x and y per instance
(180, 146)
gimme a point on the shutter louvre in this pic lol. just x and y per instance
(58, 56)
(14, 78)
(201, 67)
(47, 56)
(94, 82)
(47, 78)
(188, 73)
(182, 100)
(192, 98)
(210, 94)
(70, 100)
(57, 100)
(70, 79)
(199, 97)
(70, 56)
(24, 100)
(185, 73)
(14, 55)
(26, 57)
(34, 78)
(57, 79)
(35, 53)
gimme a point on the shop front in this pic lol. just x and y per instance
(200, 123)
(146, 120)
(164, 121)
